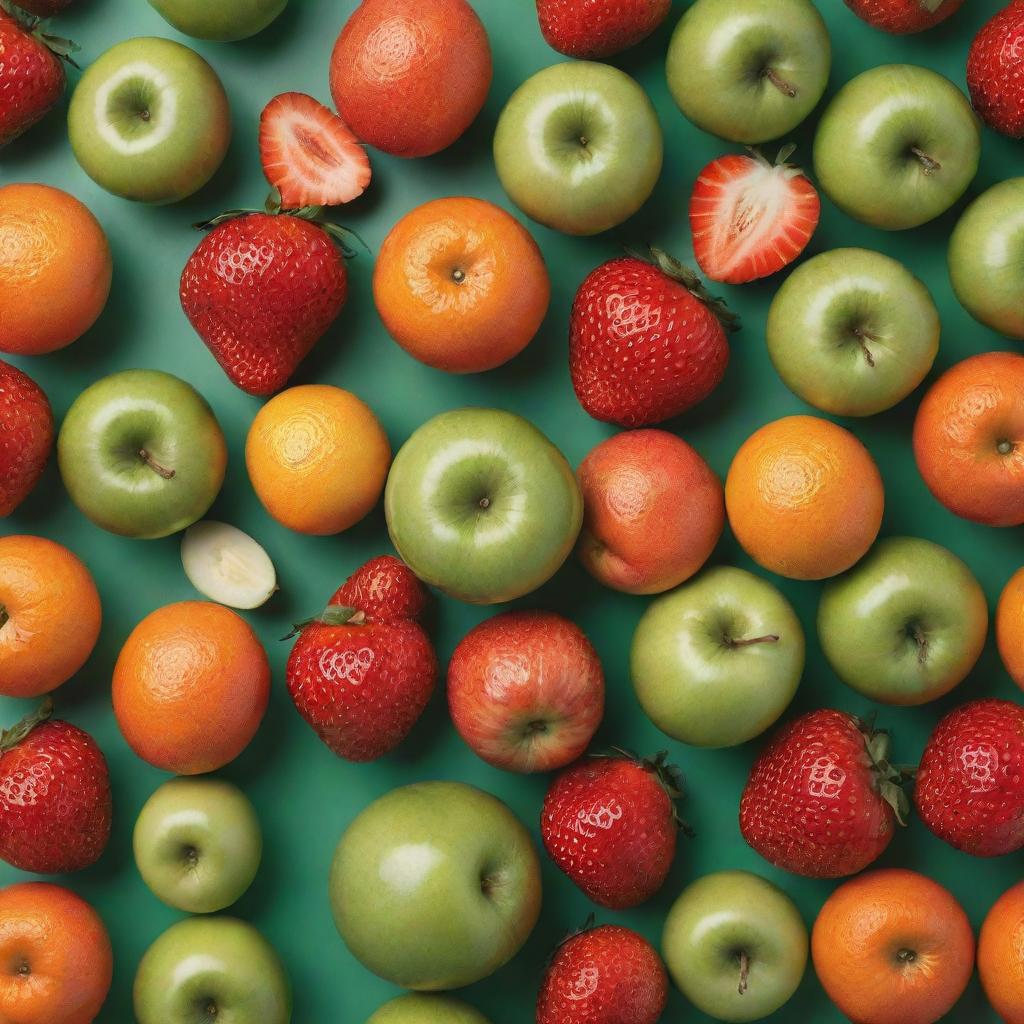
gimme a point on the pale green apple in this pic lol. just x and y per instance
(481, 505)
(416, 1008)
(223, 21)
(435, 886)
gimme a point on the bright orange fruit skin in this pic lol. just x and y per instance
(1010, 627)
(1001, 955)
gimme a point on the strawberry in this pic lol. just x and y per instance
(309, 154)
(599, 28)
(55, 804)
(995, 71)
(603, 975)
(900, 17)
(362, 672)
(646, 342)
(970, 783)
(610, 824)
(26, 436)
(822, 799)
(261, 290)
(750, 218)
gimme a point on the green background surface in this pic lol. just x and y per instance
(305, 795)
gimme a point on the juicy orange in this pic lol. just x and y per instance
(1001, 955)
(1010, 627)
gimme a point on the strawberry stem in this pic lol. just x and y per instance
(10, 738)
(57, 45)
(332, 615)
(889, 777)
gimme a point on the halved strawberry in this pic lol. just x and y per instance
(309, 154)
(750, 218)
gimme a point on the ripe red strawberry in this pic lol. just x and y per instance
(900, 17)
(604, 975)
(970, 783)
(309, 154)
(26, 436)
(362, 672)
(822, 799)
(750, 218)
(610, 824)
(55, 804)
(261, 290)
(646, 341)
(599, 28)
(995, 71)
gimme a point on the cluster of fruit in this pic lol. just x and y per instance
(482, 506)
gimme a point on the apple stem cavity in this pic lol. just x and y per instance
(928, 163)
(863, 336)
(744, 973)
(918, 635)
(10, 738)
(160, 470)
(769, 638)
(906, 956)
(786, 88)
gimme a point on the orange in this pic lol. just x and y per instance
(893, 947)
(1010, 627)
(461, 285)
(804, 498)
(55, 958)
(49, 615)
(969, 439)
(191, 686)
(317, 458)
(55, 269)
(1001, 955)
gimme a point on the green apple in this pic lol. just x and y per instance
(986, 258)
(578, 147)
(852, 332)
(749, 70)
(480, 504)
(716, 661)
(735, 945)
(435, 885)
(906, 624)
(897, 146)
(150, 121)
(198, 844)
(223, 21)
(208, 970)
(424, 1009)
(142, 454)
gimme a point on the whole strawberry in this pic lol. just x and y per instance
(970, 783)
(610, 824)
(646, 342)
(605, 975)
(261, 290)
(26, 436)
(900, 17)
(362, 672)
(599, 28)
(55, 805)
(822, 799)
(995, 71)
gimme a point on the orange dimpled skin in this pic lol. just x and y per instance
(191, 686)
(893, 947)
(1010, 627)
(969, 439)
(56, 962)
(49, 615)
(55, 269)
(461, 285)
(1001, 955)
(804, 498)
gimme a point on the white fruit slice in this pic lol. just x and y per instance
(227, 565)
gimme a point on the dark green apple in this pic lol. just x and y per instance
(897, 146)
(716, 661)
(735, 945)
(749, 70)
(223, 21)
(986, 258)
(482, 505)
(578, 147)
(906, 624)
(416, 1008)
(852, 332)
(142, 454)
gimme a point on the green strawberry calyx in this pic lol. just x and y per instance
(889, 778)
(332, 615)
(669, 776)
(36, 27)
(10, 738)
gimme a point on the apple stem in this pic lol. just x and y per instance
(786, 88)
(770, 638)
(921, 640)
(744, 974)
(930, 164)
(148, 459)
(863, 337)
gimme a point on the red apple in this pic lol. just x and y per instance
(653, 511)
(526, 691)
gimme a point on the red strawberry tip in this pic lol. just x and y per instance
(890, 778)
(332, 615)
(10, 738)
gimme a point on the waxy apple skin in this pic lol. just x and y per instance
(435, 886)
(221, 21)
(986, 258)
(897, 146)
(906, 624)
(416, 1008)
(716, 661)
(749, 70)
(852, 332)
